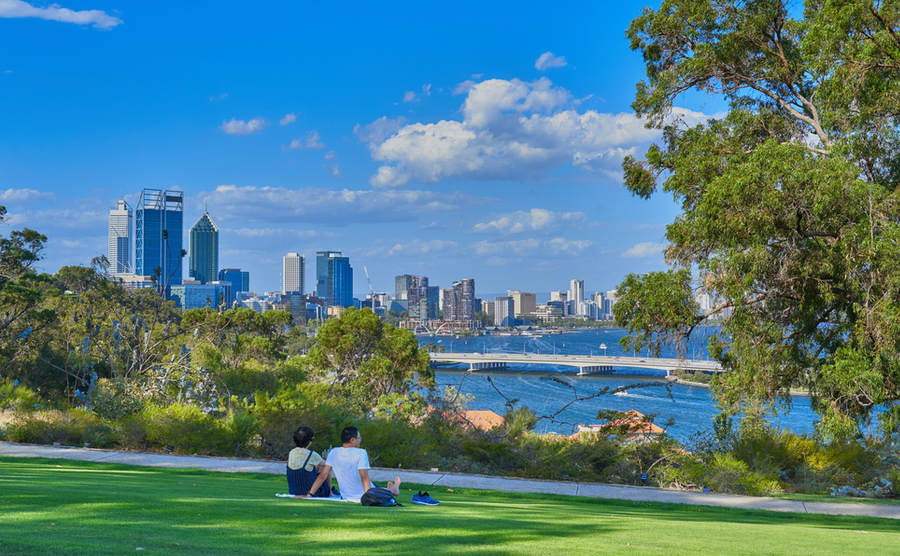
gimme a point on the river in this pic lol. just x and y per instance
(691, 409)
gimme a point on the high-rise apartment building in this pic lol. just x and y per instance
(120, 219)
(334, 279)
(504, 312)
(294, 272)
(204, 240)
(459, 301)
(158, 237)
(420, 299)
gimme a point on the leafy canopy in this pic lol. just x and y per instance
(791, 215)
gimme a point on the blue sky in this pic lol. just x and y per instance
(476, 140)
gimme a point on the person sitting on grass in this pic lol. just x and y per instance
(350, 465)
(305, 466)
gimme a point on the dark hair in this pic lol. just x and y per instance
(303, 436)
(348, 434)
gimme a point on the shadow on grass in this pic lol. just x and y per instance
(82, 507)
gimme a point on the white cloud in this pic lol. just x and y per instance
(409, 96)
(336, 171)
(274, 205)
(311, 142)
(98, 18)
(548, 60)
(646, 249)
(533, 246)
(416, 247)
(240, 127)
(288, 119)
(510, 130)
(220, 97)
(272, 232)
(25, 196)
(536, 220)
(433, 227)
(426, 90)
(330, 155)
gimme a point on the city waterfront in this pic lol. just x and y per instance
(547, 389)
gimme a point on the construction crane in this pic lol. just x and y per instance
(371, 289)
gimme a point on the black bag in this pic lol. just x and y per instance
(377, 496)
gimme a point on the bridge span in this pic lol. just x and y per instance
(586, 364)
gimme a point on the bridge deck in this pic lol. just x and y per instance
(585, 363)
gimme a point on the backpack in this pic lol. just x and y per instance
(377, 496)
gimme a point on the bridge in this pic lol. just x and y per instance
(586, 364)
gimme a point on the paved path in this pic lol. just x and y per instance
(438, 479)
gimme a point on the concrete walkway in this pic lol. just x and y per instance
(461, 480)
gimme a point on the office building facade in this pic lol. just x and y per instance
(158, 237)
(294, 273)
(204, 240)
(334, 279)
(120, 223)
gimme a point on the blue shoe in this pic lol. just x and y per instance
(424, 500)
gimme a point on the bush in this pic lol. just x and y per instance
(280, 415)
(112, 399)
(14, 396)
(724, 473)
(186, 428)
(76, 426)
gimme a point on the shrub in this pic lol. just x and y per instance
(75, 426)
(15, 396)
(242, 427)
(112, 399)
(186, 428)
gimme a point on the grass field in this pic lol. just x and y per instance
(59, 507)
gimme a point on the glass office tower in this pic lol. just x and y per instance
(204, 239)
(158, 237)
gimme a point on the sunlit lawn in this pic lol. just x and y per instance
(58, 507)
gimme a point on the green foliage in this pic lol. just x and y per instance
(519, 420)
(279, 416)
(242, 427)
(789, 201)
(75, 426)
(184, 427)
(372, 358)
(724, 473)
(13, 396)
(112, 399)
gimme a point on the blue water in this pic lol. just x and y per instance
(691, 409)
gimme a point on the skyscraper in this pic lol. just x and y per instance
(459, 301)
(158, 237)
(239, 279)
(294, 272)
(420, 299)
(204, 239)
(120, 239)
(334, 279)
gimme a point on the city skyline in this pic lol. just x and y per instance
(491, 151)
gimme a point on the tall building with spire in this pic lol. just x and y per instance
(158, 237)
(204, 240)
(294, 273)
(120, 220)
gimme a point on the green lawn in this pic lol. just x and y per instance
(58, 507)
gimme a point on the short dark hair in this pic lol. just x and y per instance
(348, 434)
(303, 436)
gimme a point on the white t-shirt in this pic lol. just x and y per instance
(346, 463)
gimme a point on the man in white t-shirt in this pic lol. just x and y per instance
(350, 465)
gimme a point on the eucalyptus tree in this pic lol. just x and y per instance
(791, 210)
